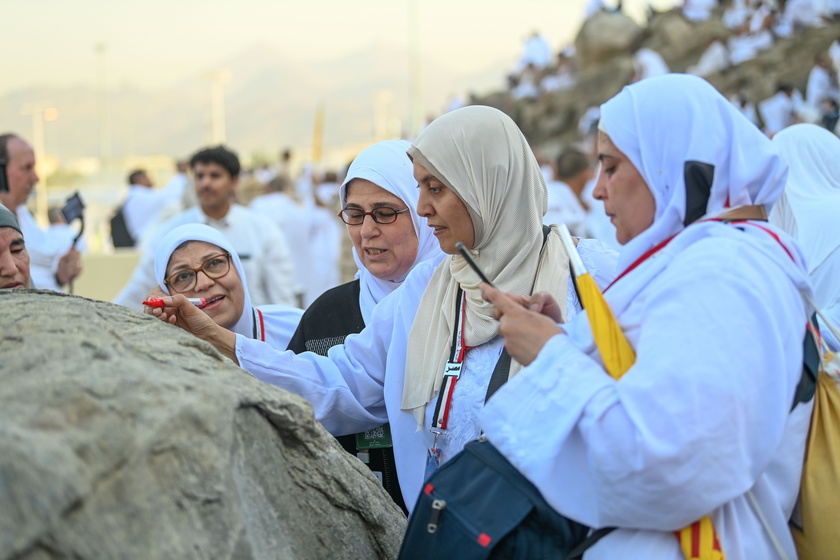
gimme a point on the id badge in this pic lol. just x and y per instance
(377, 438)
(432, 462)
(453, 369)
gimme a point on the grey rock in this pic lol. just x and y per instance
(122, 437)
(790, 60)
(605, 35)
(679, 41)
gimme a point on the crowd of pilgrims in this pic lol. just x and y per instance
(752, 26)
(709, 247)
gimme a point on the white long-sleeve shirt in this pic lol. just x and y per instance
(296, 226)
(142, 209)
(777, 111)
(717, 322)
(258, 242)
(351, 392)
(819, 87)
(827, 295)
(44, 251)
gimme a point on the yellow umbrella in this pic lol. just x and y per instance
(698, 541)
(616, 352)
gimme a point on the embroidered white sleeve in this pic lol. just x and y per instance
(468, 399)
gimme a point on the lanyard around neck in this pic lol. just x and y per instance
(259, 325)
(452, 371)
(727, 219)
(649, 253)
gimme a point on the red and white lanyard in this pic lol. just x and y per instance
(650, 252)
(452, 372)
(259, 325)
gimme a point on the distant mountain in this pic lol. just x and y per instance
(358, 74)
(270, 102)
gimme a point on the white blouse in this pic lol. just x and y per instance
(360, 384)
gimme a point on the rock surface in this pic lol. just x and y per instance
(605, 45)
(604, 36)
(122, 437)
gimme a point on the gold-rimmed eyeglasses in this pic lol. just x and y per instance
(383, 215)
(185, 279)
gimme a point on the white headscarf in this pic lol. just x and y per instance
(809, 208)
(480, 154)
(386, 165)
(674, 127)
(203, 232)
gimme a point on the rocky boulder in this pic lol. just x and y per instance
(122, 437)
(788, 61)
(679, 41)
(605, 35)
(550, 121)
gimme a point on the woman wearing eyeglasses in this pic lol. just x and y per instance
(389, 239)
(198, 261)
(480, 184)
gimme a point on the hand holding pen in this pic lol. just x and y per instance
(158, 303)
(185, 313)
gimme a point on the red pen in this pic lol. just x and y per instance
(158, 302)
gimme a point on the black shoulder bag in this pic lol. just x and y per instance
(120, 235)
(478, 506)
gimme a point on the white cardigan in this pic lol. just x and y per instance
(704, 415)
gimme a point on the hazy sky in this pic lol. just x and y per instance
(156, 42)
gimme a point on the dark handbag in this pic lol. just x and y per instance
(478, 506)
(120, 235)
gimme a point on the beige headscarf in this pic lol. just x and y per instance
(481, 155)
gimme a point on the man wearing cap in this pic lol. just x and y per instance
(14, 260)
(52, 267)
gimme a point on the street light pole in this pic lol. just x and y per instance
(318, 136)
(40, 112)
(382, 121)
(414, 93)
(102, 103)
(218, 80)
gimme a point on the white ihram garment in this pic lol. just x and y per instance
(809, 210)
(716, 319)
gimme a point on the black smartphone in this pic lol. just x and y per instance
(4, 181)
(73, 208)
(466, 254)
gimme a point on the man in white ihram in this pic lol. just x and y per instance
(258, 242)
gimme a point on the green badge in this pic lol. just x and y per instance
(377, 438)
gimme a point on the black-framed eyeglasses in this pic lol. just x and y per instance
(384, 215)
(184, 280)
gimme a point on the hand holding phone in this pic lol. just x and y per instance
(466, 254)
(73, 208)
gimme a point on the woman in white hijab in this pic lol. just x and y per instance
(380, 177)
(195, 260)
(480, 184)
(702, 424)
(378, 198)
(809, 210)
